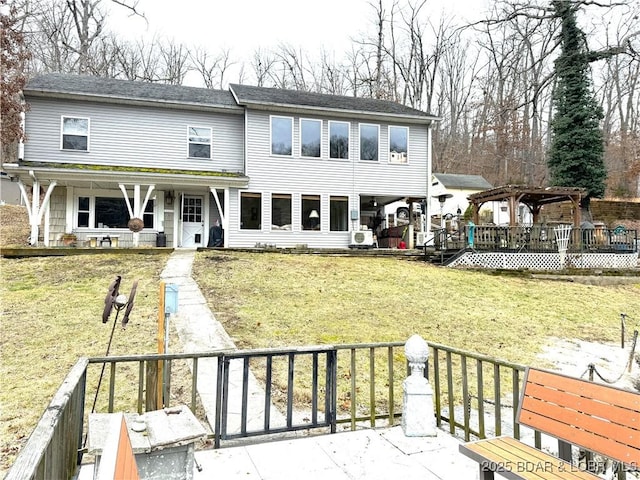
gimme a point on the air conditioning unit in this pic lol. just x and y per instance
(362, 239)
(421, 238)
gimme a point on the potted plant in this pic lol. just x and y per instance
(69, 239)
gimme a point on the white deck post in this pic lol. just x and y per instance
(418, 418)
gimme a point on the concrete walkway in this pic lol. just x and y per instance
(199, 331)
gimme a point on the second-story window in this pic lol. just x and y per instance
(199, 139)
(339, 140)
(281, 136)
(398, 144)
(75, 134)
(310, 135)
(369, 135)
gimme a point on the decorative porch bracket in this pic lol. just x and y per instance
(138, 208)
(34, 209)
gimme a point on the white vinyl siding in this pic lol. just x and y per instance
(157, 141)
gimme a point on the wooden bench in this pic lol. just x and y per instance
(595, 417)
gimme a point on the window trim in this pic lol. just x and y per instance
(389, 143)
(315, 198)
(291, 120)
(339, 198)
(314, 120)
(259, 212)
(189, 142)
(360, 125)
(88, 119)
(289, 197)
(92, 194)
(331, 122)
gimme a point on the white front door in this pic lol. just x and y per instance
(192, 221)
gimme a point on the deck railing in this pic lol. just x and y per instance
(536, 239)
(358, 385)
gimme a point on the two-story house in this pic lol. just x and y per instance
(141, 163)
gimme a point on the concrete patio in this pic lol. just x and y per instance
(379, 454)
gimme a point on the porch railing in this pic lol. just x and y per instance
(357, 386)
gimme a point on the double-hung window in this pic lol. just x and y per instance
(281, 135)
(310, 137)
(369, 140)
(199, 140)
(75, 134)
(338, 140)
(398, 144)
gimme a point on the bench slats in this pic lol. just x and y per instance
(604, 393)
(513, 459)
(554, 416)
(590, 406)
(574, 435)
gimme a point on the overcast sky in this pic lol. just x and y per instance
(245, 25)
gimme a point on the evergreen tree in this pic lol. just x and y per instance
(576, 158)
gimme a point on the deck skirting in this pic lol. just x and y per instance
(545, 261)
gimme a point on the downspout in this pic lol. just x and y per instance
(429, 167)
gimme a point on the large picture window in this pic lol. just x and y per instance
(310, 135)
(369, 135)
(339, 140)
(250, 211)
(199, 140)
(398, 144)
(281, 136)
(109, 212)
(310, 212)
(339, 214)
(75, 134)
(280, 212)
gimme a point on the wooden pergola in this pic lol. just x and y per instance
(533, 197)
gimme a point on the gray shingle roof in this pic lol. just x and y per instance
(463, 182)
(85, 85)
(248, 95)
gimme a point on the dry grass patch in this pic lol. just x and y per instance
(51, 316)
(14, 226)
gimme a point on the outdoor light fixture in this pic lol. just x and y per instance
(169, 197)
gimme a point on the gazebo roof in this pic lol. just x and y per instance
(529, 195)
(533, 197)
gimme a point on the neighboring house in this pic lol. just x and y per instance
(456, 189)
(150, 164)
